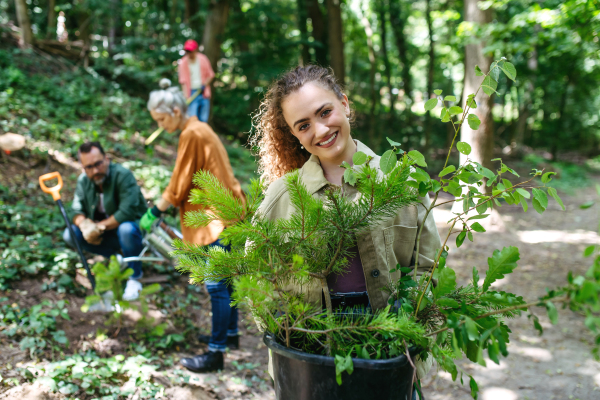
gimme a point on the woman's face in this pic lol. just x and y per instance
(320, 122)
(168, 122)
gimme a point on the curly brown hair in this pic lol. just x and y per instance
(279, 151)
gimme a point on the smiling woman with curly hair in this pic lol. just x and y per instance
(280, 151)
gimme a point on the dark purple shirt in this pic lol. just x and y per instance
(352, 279)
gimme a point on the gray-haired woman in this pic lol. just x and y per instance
(199, 148)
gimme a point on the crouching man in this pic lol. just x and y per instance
(108, 205)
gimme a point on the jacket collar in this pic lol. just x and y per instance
(312, 174)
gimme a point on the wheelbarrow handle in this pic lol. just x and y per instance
(54, 190)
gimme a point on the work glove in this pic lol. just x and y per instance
(92, 232)
(149, 217)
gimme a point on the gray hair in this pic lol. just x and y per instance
(167, 99)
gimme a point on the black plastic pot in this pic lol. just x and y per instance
(303, 376)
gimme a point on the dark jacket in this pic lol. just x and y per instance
(123, 198)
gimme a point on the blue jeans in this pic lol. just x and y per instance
(224, 316)
(200, 107)
(127, 237)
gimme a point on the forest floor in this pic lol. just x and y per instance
(557, 365)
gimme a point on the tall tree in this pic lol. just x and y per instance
(214, 27)
(191, 9)
(115, 31)
(397, 21)
(336, 40)
(319, 32)
(24, 23)
(51, 30)
(482, 139)
(430, 71)
(302, 15)
(386, 59)
(372, 92)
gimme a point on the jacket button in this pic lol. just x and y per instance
(375, 273)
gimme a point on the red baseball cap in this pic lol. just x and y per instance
(190, 45)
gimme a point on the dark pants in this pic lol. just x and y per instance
(224, 316)
(127, 237)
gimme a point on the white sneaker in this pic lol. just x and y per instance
(132, 290)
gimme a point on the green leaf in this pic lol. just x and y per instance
(417, 157)
(446, 281)
(461, 238)
(587, 205)
(472, 331)
(481, 216)
(420, 175)
(552, 312)
(471, 102)
(523, 192)
(509, 70)
(478, 71)
(470, 235)
(435, 186)
(477, 227)
(552, 192)
(447, 302)
(547, 177)
(589, 251)
(464, 148)
(438, 92)
(444, 115)
(430, 104)
(393, 143)
(502, 262)
(450, 98)
(350, 177)
(473, 121)
(359, 158)
(489, 85)
(455, 110)
(541, 197)
(388, 161)
(524, 203)
(447, 170)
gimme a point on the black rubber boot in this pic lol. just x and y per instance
(209, 361)
(233, 342)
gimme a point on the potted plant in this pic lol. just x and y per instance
(320, 354)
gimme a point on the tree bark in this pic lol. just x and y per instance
(482, 139)
(51, 20)
(336, 41)
(384, 53)
(397, 21)
(319, 26)
(24, 23)
(302, 16)
(430, 74)
(214, 29)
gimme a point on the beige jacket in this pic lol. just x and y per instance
(381, 248)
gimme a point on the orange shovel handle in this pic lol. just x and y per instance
(54, 190)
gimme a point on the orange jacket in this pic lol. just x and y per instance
(199, 149)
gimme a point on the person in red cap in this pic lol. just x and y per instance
(195, 74)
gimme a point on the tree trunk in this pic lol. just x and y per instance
(397, 21)
(115, 32)
(302, 15)
(430, 74)
(372, 92)
(318, 31)
(51, 31)
(214, 28)
(384, 53)
(191, 9)
(482, 139)
(336, 41)
(24, 23)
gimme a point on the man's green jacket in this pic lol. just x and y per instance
(123, 198)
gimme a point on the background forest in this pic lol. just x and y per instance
(78, 70)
